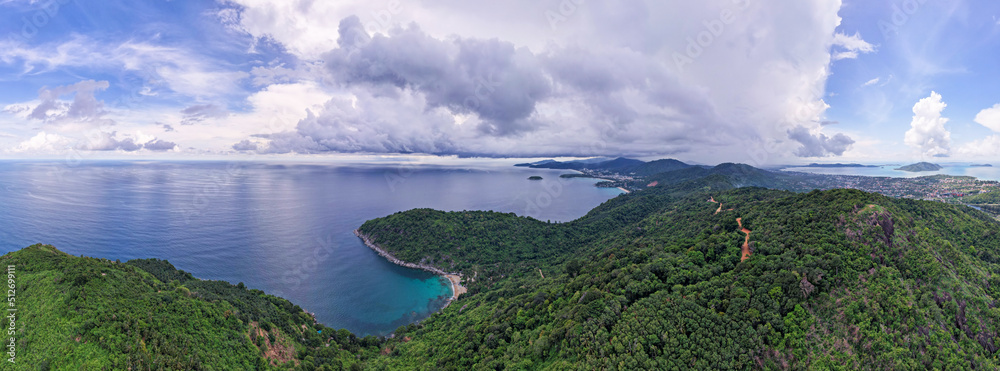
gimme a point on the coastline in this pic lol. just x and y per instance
(454, 278)
(624, 190)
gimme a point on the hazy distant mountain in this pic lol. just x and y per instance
(838, 165)
(621, 165)
(920, 167)
(530, 164)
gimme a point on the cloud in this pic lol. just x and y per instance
(44, 143)
(84, 108)
(872, 82)
(990, 118)
(179, 69)
(986, 147)
(600, 85)
(105, 141)
(245, 145)
(159, 145)
(453, 77)
(819, 145)
(200, 113)
(495, 80)
(927, 133)
(851, 46)
(17, 109)
(371, 123)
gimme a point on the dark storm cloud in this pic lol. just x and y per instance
(493, 79)
(413, 93)
(613, 90)
(819, 145)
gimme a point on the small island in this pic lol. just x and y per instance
(980, 165)
(920, 167)
(534, 177)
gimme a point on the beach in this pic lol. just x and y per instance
(456, 285)
(624, 190)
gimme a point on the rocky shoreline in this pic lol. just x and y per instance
(456, 288)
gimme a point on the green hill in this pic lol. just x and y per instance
(989, 198)
(920, 167)
(95, 314)
(837, 279)
(619, 165)
(727, 176)
(654, 279)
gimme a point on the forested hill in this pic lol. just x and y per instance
(837, 279)
(619, 165)
(77, 313)
(655, 279)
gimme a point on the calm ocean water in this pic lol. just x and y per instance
(983, 173)
(282, 228)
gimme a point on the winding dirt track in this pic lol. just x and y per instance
(746, 242)
(712, 199)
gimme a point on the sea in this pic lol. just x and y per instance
(981, 172)
(284, 228)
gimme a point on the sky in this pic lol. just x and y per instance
(754, 81)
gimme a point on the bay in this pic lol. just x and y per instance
(283, 228)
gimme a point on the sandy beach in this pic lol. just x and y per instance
(624, 190)
(456, 285)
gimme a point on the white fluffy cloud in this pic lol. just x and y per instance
(850, 46)
(602, 79)
(990, 145)
(44, 143)
(927, 133)
(990, 118)
(986, 147)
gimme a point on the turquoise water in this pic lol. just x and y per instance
(286, 229)
(983, 173)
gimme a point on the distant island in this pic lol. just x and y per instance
(980, 165)
(534, 177)
(920, 167)
(838, 165)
